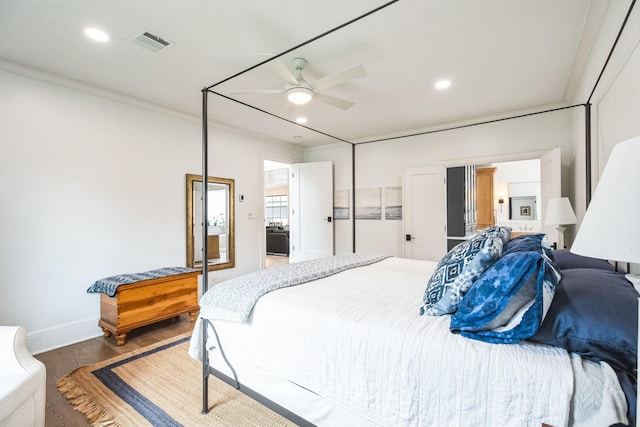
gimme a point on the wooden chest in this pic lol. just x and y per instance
(148, 301)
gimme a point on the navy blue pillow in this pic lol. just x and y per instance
(528, 242)
(594, 313)
(566, 260)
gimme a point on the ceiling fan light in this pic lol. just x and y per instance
(299, 95)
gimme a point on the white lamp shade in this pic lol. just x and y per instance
(611, 226)
(560, 212)
(299, 95)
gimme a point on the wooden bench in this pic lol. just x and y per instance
(148, 301)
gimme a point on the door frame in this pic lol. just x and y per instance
(263, 237)
(511, 157)
(498, 158)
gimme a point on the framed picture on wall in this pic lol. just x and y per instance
(368, 203)
(525, 210)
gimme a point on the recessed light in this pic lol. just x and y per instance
(301, 120)
(442, 84)
(96, 35)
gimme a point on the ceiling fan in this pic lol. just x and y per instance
(300, 92)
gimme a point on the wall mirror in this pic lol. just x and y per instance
(523, 201)
(220, 222)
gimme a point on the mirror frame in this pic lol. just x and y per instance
(191, 178)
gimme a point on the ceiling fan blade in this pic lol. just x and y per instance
(284, 72)
(256, 91)
(333, 101)
(340, 77)
(280, 68)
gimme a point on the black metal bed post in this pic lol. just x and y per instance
(587, 151)
(205, 192)
(205, 260)
(353, 196)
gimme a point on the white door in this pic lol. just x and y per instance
(311, 211)
(424, 194)
(550, 187)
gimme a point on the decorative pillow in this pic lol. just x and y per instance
(566, 260)
(458, 269)
(510, 300)
(503, 232)
(594, 314)
(528, 242)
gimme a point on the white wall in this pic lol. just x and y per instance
(615, 106)
(380, 164)
(615, 101)
(91, 187)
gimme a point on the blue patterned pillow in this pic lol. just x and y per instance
(509, 301)
(459, 268)
(503, 232)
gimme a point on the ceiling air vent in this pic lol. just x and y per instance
(151, 42)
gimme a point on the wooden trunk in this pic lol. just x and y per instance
(149, 301)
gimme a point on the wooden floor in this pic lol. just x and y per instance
(273, 260)
(62, 361)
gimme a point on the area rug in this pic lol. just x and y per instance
(159, 385)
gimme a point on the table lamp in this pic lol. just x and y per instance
(610, 228)
(560, 213)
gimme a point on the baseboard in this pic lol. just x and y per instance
(62, 335)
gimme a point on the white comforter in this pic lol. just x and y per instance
(356, 338)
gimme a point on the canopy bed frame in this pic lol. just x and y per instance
(206, 91)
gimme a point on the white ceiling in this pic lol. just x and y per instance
(500, 55)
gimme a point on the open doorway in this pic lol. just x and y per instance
(483, 195)
(277, 212)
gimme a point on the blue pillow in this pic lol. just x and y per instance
(594, 314)
(503, 232)
(566, 260)
(529, 242)
(457, 271)
(510, 300)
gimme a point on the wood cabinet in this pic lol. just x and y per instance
(213, 246)
(148, 301)
(484, 194)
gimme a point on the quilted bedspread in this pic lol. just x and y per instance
(234, 299)
(356, 338)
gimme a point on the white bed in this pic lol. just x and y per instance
(352, 349)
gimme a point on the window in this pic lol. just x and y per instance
(277, 210)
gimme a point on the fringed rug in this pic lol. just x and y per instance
(159, 385)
